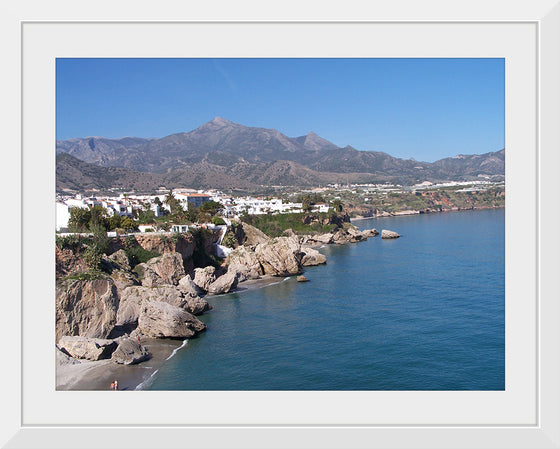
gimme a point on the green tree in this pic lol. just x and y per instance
(211, 207)
(173, 203)
(146, 216)
(128, 223)
(192, 213)
(306, 204)
(98, 216)
(337, 205)
(79, 219)
(218, 221)
(114, 222)
(100, 239)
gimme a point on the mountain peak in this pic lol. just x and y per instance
(220, 121)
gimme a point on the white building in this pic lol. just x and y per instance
(62, 217)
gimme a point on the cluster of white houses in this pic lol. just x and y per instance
(125, 205)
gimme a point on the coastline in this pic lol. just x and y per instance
(98, 375)
(417, 212)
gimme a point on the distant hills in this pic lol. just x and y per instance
(224, 154)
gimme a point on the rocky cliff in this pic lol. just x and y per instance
(97, 310)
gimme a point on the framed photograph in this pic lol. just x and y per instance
(523, 413)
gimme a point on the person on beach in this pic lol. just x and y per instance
(112, 385)
(116, 385)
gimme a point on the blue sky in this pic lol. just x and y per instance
(421, 108)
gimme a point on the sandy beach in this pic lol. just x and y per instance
(87, 375)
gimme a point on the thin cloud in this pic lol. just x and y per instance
(225, 75)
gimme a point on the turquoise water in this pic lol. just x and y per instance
(422, 312)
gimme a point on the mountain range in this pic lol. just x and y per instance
(224, 154)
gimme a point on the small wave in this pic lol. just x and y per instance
(276, 283)
(147, 382)
(177, 349)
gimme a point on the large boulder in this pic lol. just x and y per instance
(203, 277)
(133, 298)
(87, 348)
(312, 257)
(324, 239)
(252, 235)
(168, 267)
(224, 284)
(370, 233)
(245, 256)
(386, 234)
(350, 234)
(279, 256)
(355, 233)
(130, 304)
(130, 351)
(243, 272)
(196, 305)
(187, 285)
(160, 319)
(86, 308)
(147, 276)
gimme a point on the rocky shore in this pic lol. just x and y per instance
(127, 321)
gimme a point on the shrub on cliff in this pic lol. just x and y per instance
(92, 257)
(300, 223)
(135, 253)
(229, 240)
(217, 221)
(68, 241)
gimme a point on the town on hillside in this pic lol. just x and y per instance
(176, 209)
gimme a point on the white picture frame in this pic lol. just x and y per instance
(34, 417)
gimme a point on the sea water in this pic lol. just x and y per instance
(422, 312)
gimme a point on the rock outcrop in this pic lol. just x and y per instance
(302, 278)
(86, 308)
(69, 261)
(386, 234)
(279, 256)
(87, 348)
(243, 272)
(311, 257)
(123, 279)
(187, 285)
(164, 270)
(121, 259)
(134, 298)
(130, 351)
(223, 284)
(370, 233)
(163, 320)
(245, 256)
(252, 236)
(324, 239)
(168, 267)
(203, 277)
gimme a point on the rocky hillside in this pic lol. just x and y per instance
(234, 155)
